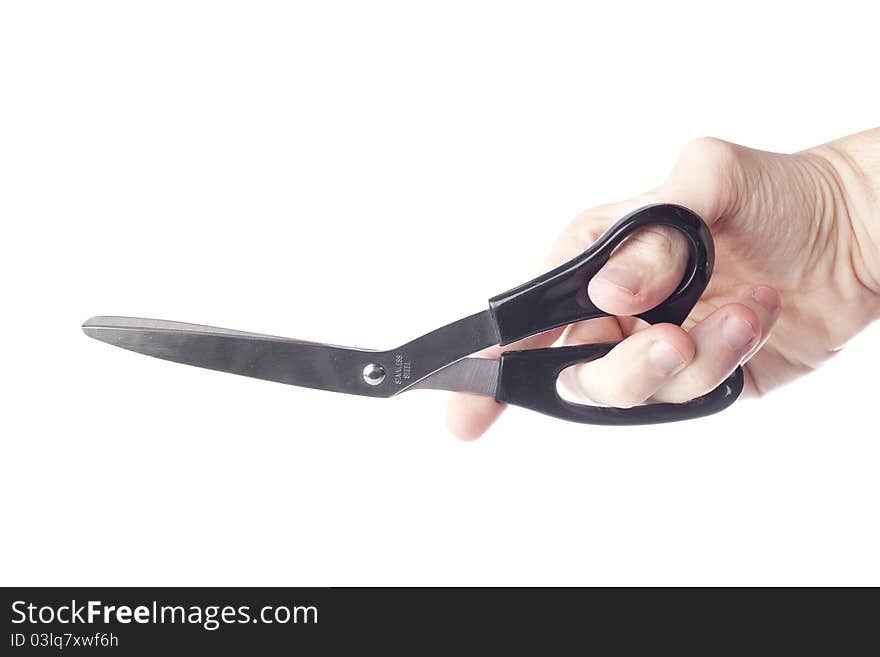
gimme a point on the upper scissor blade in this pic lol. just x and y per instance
(295, 362)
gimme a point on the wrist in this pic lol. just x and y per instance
(854, 173)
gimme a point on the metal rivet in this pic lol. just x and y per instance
(374, 374)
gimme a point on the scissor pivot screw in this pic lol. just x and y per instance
(374, 374)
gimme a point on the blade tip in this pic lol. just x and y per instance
(91, 326)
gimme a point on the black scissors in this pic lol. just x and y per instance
(439, 360)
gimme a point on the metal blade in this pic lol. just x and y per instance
(296, 362)
(477, 375)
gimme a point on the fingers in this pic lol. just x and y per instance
(595, 331)
(641, 273)
(665, 363)
(636, 368)
(469, 416)
(723, 340)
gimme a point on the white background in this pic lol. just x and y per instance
(360, 173)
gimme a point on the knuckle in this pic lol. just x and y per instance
(701, 381)
(651, 239)
(705, 383)
(710, 150)
(714, 162)
(618, 392)
(658, 250)
(626, 398)
(586, 227)
(715, 168)
(758, 392)
(745, 314)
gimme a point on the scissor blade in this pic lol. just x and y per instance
(295, 362)
(477, 375)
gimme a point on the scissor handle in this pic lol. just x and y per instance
(528, 378)
(559, 297)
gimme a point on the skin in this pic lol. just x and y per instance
(797, 274)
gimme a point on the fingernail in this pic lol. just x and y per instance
(621, 278)
(738, 333)
(665, 358)
(767, 297)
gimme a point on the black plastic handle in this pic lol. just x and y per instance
(559, 297)
(528, 379)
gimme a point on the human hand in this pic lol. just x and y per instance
(797, 273)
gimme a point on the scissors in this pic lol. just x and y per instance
(440, 359)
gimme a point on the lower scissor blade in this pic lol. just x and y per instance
(294, 362)
(476, 375)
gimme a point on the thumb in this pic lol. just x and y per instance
(649, 265)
